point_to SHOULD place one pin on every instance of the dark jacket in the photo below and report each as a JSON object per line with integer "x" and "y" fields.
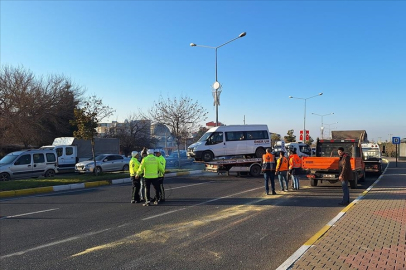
{"x": 345, "y": 167}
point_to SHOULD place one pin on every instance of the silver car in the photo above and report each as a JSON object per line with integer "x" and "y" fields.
{"x": 104, "y": 163}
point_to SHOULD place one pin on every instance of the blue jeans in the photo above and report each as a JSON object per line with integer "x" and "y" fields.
{"x": 269, "y": 175}
{"x": 283, "y": 180}
{"x": 346, "y": 192}
{"x": 295, "y": 182}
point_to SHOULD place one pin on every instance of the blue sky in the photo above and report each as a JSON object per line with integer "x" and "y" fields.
{"x": 129, "y": 53}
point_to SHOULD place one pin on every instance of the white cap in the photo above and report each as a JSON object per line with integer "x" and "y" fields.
{"x": 150, "y": 151}
{"x": 134, "y": 153}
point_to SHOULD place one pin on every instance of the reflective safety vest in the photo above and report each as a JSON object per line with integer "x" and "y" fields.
{"x": 294, "y": 161}
{"x": 134, "y": 165}
{"x": 268, "y": 162}
{"x": 282, "y": 164}
{"x": 162, "y": 160}
{"x": 150, "y": 167}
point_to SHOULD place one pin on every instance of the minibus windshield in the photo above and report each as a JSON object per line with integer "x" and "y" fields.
{"x": 205, "y": 136}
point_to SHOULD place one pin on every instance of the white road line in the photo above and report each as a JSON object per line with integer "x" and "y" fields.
{"x": 188, "y": 185}
{"x": 31, "y": 213}
{"x": 52, "y": 244}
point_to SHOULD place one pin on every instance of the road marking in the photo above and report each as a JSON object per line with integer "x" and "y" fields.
{"x": 31, "y": 213}
{"x": 52, "y": 244}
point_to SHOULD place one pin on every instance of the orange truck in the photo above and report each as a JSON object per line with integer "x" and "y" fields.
{"x": 324, "y": 166}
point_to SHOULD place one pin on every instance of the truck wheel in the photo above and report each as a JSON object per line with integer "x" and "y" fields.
{"x": 4, "y": 176}
{"x": 207, "y": 156}
{"x": 125, "y": 168}
{"x": 49, "y": 173}
{"x": 313, "y": 182}
{"x": 259, "y": 152}
{"x": 255, "y": 170}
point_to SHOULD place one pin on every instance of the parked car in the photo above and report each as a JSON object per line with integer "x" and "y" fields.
{"x": 28, "y": 164}
{"x": 104, "y": 163}
{"x": 173, "y": 161}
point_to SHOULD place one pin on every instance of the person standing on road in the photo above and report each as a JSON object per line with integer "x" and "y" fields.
{"x": 345, "y": 174}
{"x": 282, "y": 170}
{"x": 150, "y": 167}
{"x": 142, "y": 189}
{"x": 136, "y": 180}
{"x": 268, "y": 168}
{"x": 161, "y": 176}
{"x": 295, "y": 163}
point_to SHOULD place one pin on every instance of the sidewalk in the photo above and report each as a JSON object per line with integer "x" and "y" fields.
{"x": 370, "y": 233}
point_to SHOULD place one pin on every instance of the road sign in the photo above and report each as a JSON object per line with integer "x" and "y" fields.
{"x": 396, "y": 140}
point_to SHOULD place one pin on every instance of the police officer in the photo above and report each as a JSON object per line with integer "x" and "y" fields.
{"x": 161, "y": 176}
{"x": 136, "y": 180}
{"x": 150, "y": 167}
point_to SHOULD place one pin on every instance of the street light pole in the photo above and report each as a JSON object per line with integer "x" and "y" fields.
{"x": 216, "y": 85}
{"x": 322, "y": 127}
{"x": 304, "y": 118}
{"x": 329, "y": 128}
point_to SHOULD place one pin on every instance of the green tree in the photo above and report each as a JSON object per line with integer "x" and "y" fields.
{"x": 90, "y": 113}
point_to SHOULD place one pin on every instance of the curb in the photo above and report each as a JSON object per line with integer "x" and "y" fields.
{"x": 41, "y": 190}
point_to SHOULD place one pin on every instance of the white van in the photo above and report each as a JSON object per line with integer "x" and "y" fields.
{"x": 302, "y": 149}
{"x": 221, "y": 141}
{"x": 28, "y": 164}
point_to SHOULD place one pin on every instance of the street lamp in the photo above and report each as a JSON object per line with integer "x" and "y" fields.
{"x": 322, "y": 127}
{"x": 329, "y": 129}
{"x": 216, "y": 85}
{"x": 304, "y": 118}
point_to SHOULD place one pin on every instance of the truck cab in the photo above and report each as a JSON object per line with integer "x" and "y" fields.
{"x": 372, "y": 158}
{"x": 302, "y": 149}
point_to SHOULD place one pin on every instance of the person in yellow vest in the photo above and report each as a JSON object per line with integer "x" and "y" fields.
{"x": 150, "y": 167}
{"x": 268, "y": 168}
{"x": 134, "y": 164}
{"x": 282, "y": 171}
{"x": 295, "y": 163}
{"x": 161, "y": 176}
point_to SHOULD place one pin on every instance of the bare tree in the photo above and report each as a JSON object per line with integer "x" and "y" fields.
{"x": 181, "y": 116}
{"x": 87, "y": 117}
{"x": 35, "y": 111}
{"x": 134, "y": 134}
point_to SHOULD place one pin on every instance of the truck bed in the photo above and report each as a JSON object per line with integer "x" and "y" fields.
{"x": 328, "y": 163}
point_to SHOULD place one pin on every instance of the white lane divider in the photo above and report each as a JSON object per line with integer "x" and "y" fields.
{"x": 52, "y": 244}
{"x": 31, "y": 213}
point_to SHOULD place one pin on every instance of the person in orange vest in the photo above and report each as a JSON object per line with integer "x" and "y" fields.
{"x": 281, "y": 171}
{"x": 268, "y": 168}
{"x": 295, "y": 163}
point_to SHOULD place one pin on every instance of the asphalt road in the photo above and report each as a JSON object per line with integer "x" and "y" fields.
{"x": 208, "y": 222}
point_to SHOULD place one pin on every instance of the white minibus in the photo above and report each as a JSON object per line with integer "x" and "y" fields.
{"x": 221, "y": 141}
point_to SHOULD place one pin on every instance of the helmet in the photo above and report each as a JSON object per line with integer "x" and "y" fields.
{"x": 134, "y": 153}
{"x": 150, "y": 151}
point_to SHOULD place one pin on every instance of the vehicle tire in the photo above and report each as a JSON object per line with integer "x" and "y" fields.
{"x": 259, "y": 152}
{"x": 4, "y": 176}
{"x": 207, "y": 156}
{"x": 313, "y": 182}
{"x": 126, "y": 168}
{"x": 255, "y": 170}
{"x": 49, "y": 173}
{"x": 99, "y": 170}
